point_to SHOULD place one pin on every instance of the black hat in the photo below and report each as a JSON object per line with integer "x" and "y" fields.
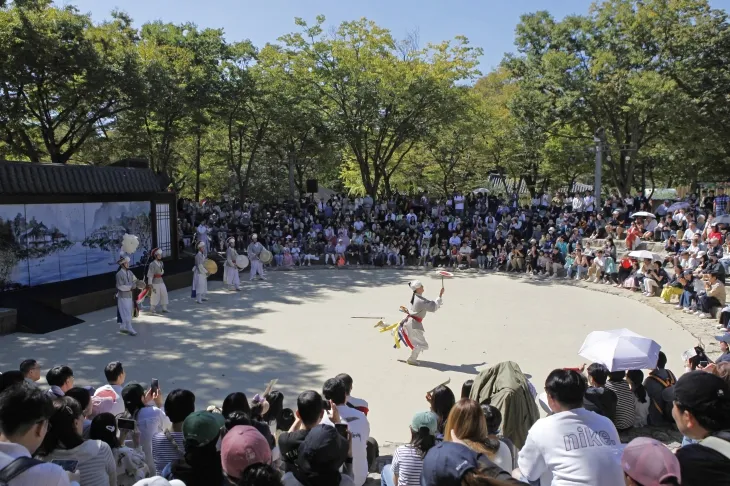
{"x": 698, "y": 390}
{"x": 324, "y": 449}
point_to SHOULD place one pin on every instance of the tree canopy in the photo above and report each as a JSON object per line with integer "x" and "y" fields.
{"x": 366, "y": 112}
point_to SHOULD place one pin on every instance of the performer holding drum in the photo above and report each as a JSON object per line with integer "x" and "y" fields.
{"x": 154, "y": 279}
{"x": 200, "y": 275}
{"x": 255, "y": 253}
{"x": 230, "y": 271}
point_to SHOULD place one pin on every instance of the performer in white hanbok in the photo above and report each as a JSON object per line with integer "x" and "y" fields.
{"x": 154, "y": 279}
{"x": 200, "y": 276}
{"x": 254, "y": 256}
{"x": 202, "y": 236}
{"x": 230, "y": 271}
{"x": 126, "y": 281}
{"x": 415, "y": 333}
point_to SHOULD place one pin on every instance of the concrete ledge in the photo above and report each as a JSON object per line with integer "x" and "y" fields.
{"x": 101, "y": 299}
{"x": 8, "y": 320}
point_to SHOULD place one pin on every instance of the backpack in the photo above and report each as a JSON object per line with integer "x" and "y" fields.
{"x": 670, "y": 381}
{"x": 16, "y": 468}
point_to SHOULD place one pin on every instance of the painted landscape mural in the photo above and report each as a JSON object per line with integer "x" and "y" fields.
{"x": 45, "y": 243}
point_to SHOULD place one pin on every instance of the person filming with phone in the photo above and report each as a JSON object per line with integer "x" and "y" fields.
{"x": 24, "y": 414}
{"x": 145, "y": 408}
{"x": 335, "y": 390}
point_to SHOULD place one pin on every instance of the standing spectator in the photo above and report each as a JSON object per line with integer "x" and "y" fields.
{"x": 598, "y": 398}
{"x": 336, "y": 391}
{"x": 648, "y": 462}
{"x": 131, "y": 465}
{"x": 65, "y": 442}
{"x": 701, "y": 411}
{"x": 24, "y": 414}
{"x": 626, "y": 405}
{"x": 115, "y": 376}
{"x": 408, "y": 459}
{"x": 660, "y": 411}
{"x": 721, "y": 204}
{"x": 574, "y": 445}
{"x": 60, "y": 379}
{"x": 31, "y": 370}
{"x": 169, "y": 445}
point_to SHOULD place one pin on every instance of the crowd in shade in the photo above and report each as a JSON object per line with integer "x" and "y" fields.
{"x": 124, "y": 433}
{"x": 563, "y": 236}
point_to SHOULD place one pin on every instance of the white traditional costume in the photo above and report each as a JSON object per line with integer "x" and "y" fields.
{"x": 202, "y": 237}
{"x": 154, "y": 277}
{"x": 254, "y": 256}
{"x": 125, "y": 304}
{"x": 230, "y": 270}
{"x": 415, "y": 333}
{"x": 200, "y": 276}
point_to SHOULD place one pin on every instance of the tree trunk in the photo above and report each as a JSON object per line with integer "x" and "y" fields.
{"x": 290, "y": 156}
{"x": 198, "y": 136}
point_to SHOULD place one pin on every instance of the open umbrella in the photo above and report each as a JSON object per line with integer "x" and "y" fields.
{"x": 621, "y": 349}
{"x": 481, "y": 190}
{"x": 642, "y": 214}
{"x": 677, "y": 206}
{"x": 645, "y": 255}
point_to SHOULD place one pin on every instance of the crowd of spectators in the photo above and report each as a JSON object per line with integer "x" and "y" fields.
{"x": 558, "y": 237}
{"x": 123, "y": 433}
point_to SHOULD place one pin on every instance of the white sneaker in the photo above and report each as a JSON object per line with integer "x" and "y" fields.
{"x": 678, "y": 307}
{"x": 720, "y": 326}
{"x": 702, "y": 315}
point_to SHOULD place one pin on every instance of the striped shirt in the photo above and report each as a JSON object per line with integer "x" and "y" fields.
{"x": 96, "y": 462}
{"x": 407, "y": 465}
{"x": 164, "y": 451}
{"x": 626, "y": 405}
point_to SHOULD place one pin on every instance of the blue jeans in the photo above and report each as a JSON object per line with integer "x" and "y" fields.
{"x": 386, "y": 476}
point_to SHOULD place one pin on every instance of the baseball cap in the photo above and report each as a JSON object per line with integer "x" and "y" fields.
{"x": 698, "y": 390}
{"x": 425, "y": 419}
{"x": 324, "y": 449}
{"x": 201, "y": 428}
{"x": 243, "y": 446}
{"x": 725, "y": 338}
{"x": 446, "y": 463}
{"x": 649, "y": 462}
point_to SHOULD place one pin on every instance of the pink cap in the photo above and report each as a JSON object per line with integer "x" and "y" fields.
{"x": 243, "y": 446}
{"x": 649, "y": 462}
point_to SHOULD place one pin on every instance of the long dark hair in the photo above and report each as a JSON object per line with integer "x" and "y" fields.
{"x": 422, "y": 440}
{"x": 236, "y": 402}
{"x": 637, "y": 380}
{"x": 104, "y": 428}
{"x": 442, "y": 400}
{"x": 276, "y": 407}
{"x": 62, "y": 433}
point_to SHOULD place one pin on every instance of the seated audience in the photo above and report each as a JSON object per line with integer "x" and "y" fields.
{"x": 574, "y": 445}
{"x": 169, "y": 445}
{"x": 60, "y": 379}
{"x": 407, "y": 464}
{"x": 31, "y": 370}
{"x": 242, "y": 448}
{"x": 310, "y": 410}
{"x": 626, "y": 404}
{"x": 648, "y": 462}
{"x": 325, "y": 458}
{"x": 115, "y": 376}
{"x": 150, "y": 419}
{"x": 598, "y": 398}
{"x": 130, "y": 462}
{"x": 201, "y": 465}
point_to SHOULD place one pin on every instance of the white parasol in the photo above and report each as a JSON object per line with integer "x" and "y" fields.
{"x": 645, "y": 255}
{"x": 643, "y": 214}
{"x": 621, "y": 349}
{"x": 677, "y": 206}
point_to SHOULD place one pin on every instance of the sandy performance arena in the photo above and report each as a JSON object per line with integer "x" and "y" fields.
{"x": 299, "y": 327}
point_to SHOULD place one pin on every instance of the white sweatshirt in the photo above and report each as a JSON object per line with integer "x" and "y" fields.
{"x": 578, "y": 447}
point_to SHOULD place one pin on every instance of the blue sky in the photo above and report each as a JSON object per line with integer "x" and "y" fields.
{"x": 488, "y": 24}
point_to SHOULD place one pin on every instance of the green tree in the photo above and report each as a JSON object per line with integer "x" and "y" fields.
{"x": 62, "y": 78}
{"x": 380, "y": 96}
